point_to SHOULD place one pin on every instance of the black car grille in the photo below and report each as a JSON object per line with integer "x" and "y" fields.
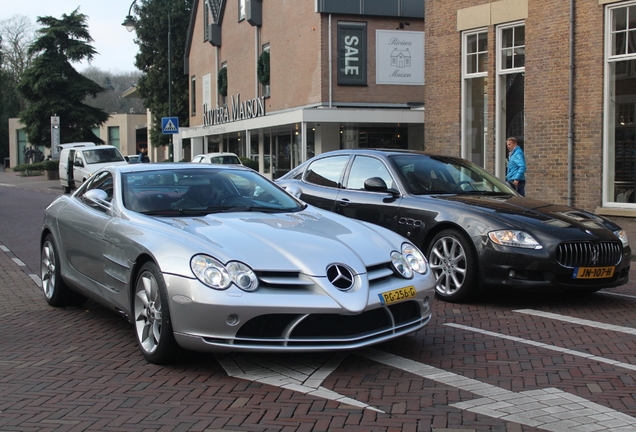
{"x": 330, "y": 329}
{"x": 587, "y": 254}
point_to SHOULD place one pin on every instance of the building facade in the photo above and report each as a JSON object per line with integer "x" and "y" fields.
{"x": 558, "y": 75}
{"x": 127, "y": 132}
{"x": 280, "y": 81}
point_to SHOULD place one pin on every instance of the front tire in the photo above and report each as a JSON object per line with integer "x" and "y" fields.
{"x": 153, "y": 325}
{"x": 454, "y": 264}
{"x": 55, "y": 290}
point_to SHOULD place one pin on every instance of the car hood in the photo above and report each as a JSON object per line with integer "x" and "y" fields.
{"x": 307, "y": 241}
{"x": 523, "y": 212}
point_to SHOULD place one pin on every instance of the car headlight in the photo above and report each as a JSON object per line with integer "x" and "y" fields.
{"x": 415, "y": 258}
{"x": 514, "y": 238}
{"x": 401, "y": 265}
{"x": 218, "y": 276}
{"x": 622, "y": 235}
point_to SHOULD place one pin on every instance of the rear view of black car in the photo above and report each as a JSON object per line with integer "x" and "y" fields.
{"x": 475, "y": 230}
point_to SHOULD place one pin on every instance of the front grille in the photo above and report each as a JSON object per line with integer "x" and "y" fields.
{"x": 587, "y": 254}
{"x": 330, "y": 329}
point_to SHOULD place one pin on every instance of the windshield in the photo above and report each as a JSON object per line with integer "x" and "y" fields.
{"x": 437, "y": 174}
{"x": 203, "y": 191}
{"x": 106, "y": 155}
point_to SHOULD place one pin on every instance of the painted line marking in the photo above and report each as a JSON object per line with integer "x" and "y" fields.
{"x": 546, "y": 346}
{"x": 579, "y": 321}
{"x": 548, "y": 409}
{"x": 289, "y": 374}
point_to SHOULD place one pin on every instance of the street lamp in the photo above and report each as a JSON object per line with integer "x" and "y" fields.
{"x": 130, "y": 23}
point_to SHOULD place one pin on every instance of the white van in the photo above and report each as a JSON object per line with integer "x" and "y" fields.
{"x": 78, "y": 161}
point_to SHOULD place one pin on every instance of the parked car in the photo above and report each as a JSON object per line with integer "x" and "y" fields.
{"x": 197, "y": 261}
{"x": 218, "y": 158}
{"x": 475, "y": 230}
{"x": 132, "y": 159}
{"x": 78, "y": 161}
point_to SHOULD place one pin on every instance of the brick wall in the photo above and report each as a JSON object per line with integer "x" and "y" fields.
{"x": 546, "y": 94}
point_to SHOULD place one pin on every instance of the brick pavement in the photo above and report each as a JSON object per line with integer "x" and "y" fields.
{"x": 79, "y": 369}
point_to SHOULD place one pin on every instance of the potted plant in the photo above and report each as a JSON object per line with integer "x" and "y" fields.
{"x": 51, "y": 169}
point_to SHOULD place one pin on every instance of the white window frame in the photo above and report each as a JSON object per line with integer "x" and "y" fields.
{"x": 465, "y": 148}
{"x": 609, "y": 155}
{"x": 500, "y": 138}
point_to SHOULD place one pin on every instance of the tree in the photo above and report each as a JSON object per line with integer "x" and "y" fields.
{"x": 152, "y": 37}
{"x": 112, "y": 100}
{"x": 52, "y": 86}
{"x": 16, "y": 34}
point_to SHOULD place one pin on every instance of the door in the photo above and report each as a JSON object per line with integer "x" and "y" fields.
{"x": 377, "y": 207}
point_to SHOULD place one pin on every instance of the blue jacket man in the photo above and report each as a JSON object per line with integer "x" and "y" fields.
{"x": 516, "y": 175}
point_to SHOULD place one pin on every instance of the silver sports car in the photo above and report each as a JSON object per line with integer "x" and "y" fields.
{"x": 219, "y": 258}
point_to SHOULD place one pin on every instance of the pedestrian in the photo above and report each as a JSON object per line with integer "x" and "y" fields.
{"x": 516, "y": 175}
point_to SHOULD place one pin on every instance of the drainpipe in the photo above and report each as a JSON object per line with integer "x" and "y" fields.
{"x": 571, "y": 106}
{"x": 330, "y": 78}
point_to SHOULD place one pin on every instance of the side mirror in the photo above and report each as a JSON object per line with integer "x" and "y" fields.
{"x": 375, "y": 184}
{"x": 127, "y": 158}
{"x": 78, "y": 163}
{"x": 97, "y": 197}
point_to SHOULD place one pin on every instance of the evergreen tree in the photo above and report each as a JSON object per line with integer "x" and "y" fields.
{"x": 152, "y": 37}
{"x": 52, "y": 86}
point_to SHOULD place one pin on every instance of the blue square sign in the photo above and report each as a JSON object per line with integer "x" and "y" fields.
{"x": 170, "y": 125}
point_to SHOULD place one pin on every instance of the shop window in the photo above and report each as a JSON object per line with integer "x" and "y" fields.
{"x": 620, "y": 106}
{"x": 475, "y": 96}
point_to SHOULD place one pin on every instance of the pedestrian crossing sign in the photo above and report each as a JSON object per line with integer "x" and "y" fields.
{"x": 170, "y": 125}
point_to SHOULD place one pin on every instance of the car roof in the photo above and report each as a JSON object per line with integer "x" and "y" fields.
{"x": 217, "y": 154}
{"x": 148, "y": 167}
{"x": 386, "y": 152}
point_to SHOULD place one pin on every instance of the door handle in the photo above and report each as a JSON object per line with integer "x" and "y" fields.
{"x": 343, "y": 202}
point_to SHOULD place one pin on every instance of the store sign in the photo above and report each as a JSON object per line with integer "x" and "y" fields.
{"x": 399, "y": 57}
{"x": 236, "y": 111}
{"x": 352, "y": 53}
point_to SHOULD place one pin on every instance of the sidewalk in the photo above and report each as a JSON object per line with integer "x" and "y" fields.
{"x": 34, "y": 182}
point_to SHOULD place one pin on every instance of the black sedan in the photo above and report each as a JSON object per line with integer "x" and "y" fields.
{"x": 476, "y": 231}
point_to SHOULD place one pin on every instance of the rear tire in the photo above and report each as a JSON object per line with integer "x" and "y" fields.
{"x": 151, "y": 317}
{"x": 453, "y": 262}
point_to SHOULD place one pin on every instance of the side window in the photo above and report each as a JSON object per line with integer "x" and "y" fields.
{"x": 103, "y": 181}
{"x": 326, "y": 171}
{"x": 364, "y": 168}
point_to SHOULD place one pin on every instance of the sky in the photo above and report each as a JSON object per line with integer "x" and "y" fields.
{"x": 115, "y": 46}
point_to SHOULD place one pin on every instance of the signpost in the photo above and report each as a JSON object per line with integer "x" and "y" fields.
{"x": 55, "y": 137}
{"x": 170, "y": 126}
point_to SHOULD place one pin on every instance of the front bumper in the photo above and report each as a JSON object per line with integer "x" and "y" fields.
{"x": 292, "y": 319}
{"x": 512, "y": 267}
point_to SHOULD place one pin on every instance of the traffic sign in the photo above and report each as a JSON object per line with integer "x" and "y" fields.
{"x": 170, "y": 125}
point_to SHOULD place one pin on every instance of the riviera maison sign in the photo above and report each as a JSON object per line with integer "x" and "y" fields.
{"x": 236, "y": 111}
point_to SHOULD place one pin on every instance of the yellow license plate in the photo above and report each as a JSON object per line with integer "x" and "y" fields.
{"x": 593, "y": 272}
{"x": 390, "y": 297}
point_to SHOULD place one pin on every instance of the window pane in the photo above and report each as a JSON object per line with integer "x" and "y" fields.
{"x": 364, "y": 168}
{"x": 506, "y": 58}
{"x": 471, "y": 64}
{"x": 520, "y": 57}
{"x": 483, "y": 41}
{"x": 482, "y": 60}
{"x": 620, "y": 19}
{"x": 619, "y": 44}
{"x": 632, "y": 17}
{"x": 326, "y": 172}
{"x": 506, "y": 38}
{"x": 471, "y": 43}
{"x": 622, "y": 145}
{"x": 475, "y": 114}
{"x": 520, "y": 35}
{"x": 631, "y": 40}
